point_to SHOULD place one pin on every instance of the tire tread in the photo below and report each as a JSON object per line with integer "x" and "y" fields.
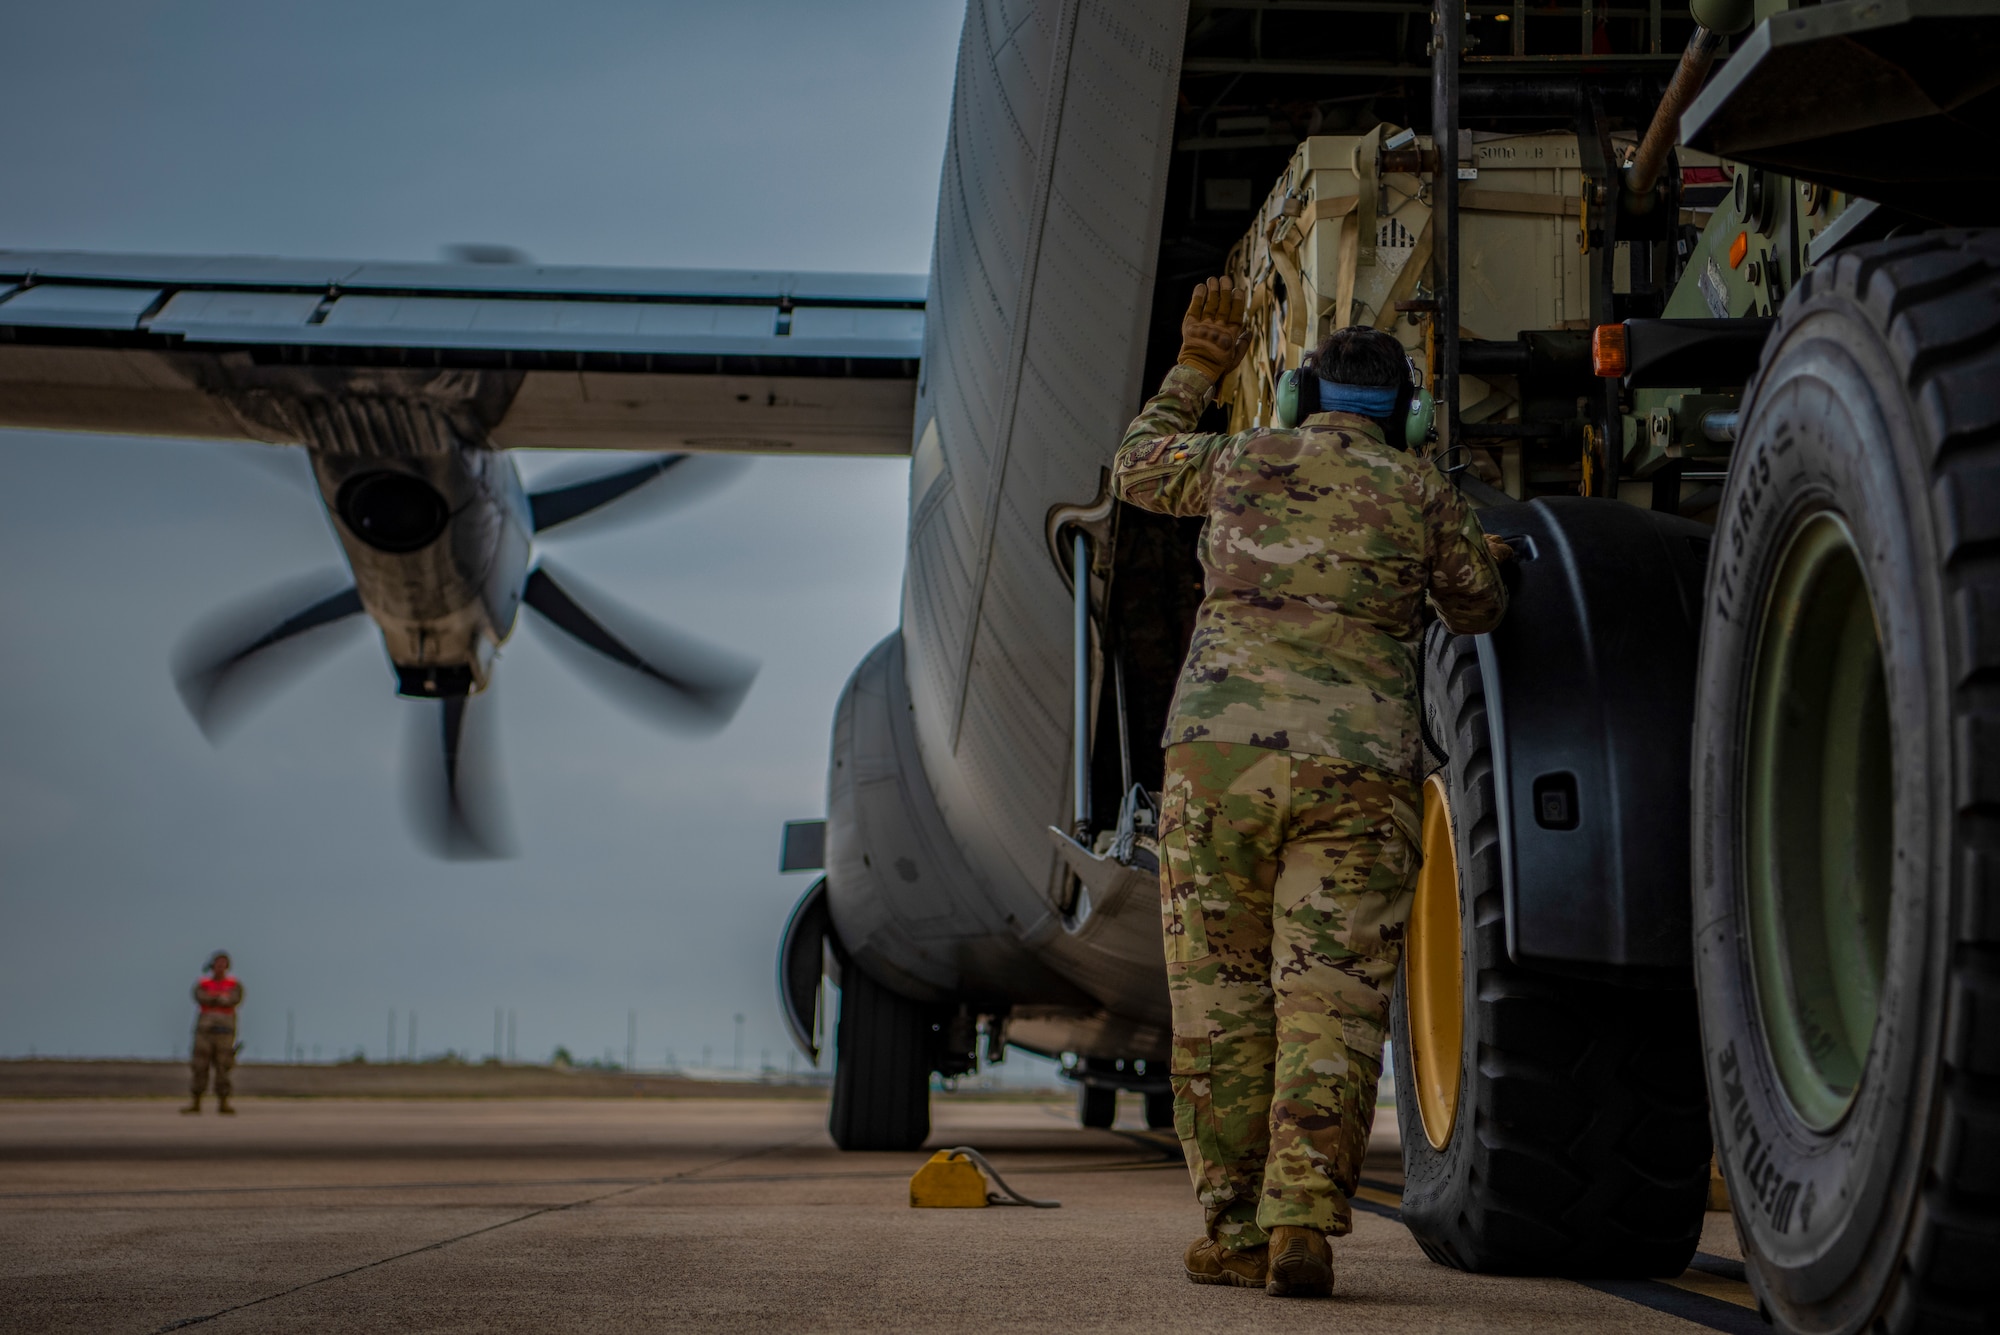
{"x": 1935, "y": 299}
{"x": 1589, "y": 1121}
{"x": 881, "y": 1074}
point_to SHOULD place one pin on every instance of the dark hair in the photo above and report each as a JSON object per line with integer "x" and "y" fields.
{"x": 1358, "y": 355}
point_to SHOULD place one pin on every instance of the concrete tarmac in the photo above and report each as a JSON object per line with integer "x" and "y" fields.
{"x": 711, "y": 1215}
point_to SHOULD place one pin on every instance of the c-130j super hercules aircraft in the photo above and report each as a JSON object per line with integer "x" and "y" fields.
{"x": 1709, "y": 823}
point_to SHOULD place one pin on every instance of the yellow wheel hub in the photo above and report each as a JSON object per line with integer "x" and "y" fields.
{"x": 1435, "y": 960}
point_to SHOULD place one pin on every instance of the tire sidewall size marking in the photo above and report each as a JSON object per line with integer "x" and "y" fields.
{"x": 1827, "y": 1211}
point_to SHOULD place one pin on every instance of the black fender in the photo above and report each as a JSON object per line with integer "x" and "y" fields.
{"x": 809, "y": 950}
{"x": 1589, "y": 684}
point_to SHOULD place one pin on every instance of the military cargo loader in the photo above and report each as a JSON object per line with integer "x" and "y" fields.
{"x": 1709, "y": 820}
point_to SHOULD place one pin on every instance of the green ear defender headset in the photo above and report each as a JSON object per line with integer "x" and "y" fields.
{"x": 1417, "y": 425}
{"x": 1298, "y": 399}
{"x": 1291, "y": 387}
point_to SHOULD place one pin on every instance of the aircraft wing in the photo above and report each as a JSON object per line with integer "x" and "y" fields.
{"x": 549, "y": 356}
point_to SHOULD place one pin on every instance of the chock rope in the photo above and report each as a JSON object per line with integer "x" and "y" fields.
{"x": 993, "y": 1197}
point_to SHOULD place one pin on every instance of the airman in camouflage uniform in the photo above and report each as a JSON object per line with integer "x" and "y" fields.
{"x": 217, "y": 994}
{"x": 1289, "y": 824}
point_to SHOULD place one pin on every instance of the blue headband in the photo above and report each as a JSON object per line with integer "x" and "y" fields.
{"x": 1367, "y": 400}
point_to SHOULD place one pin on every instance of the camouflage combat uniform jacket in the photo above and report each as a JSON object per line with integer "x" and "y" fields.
{"x": 1322, "y": 544}
{"x": 217, "y": 1002}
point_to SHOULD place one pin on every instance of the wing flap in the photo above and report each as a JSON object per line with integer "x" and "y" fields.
{"x": 226, "y": 316}
{"x": 74, "y": 306}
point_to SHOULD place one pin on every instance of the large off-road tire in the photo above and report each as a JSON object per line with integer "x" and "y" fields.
{"x": 1559, "y": 1125}
{"x": 882, "y": 1068}
{"x": 1096, "y": 1106}
{"x": 1847, "y": 798}
{"x": 1160, "y": 1110}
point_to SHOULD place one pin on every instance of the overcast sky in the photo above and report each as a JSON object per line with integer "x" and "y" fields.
{"x": 795, "y": 135}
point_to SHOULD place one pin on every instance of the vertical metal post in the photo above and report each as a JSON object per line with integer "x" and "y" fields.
{"x": 392, "y": 1034}
{"x": 1448, "y": 36}
{"x": 1521, "y": 26}
{"x": 1080, "y": 669}
{"x": 1601, "y": 182}
{"x": 631, "y": 1040}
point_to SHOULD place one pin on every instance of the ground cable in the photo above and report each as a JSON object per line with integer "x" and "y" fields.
{"x": 1013, "y": 1197}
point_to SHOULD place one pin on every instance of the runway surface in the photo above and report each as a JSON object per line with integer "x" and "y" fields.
{"x": 724, "y": 1215}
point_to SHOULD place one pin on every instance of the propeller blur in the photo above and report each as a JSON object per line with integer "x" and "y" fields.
{"x": 439, "y": 545}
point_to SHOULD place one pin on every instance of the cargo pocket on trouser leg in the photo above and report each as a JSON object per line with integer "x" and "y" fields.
{"x": 1188, "y": 1074}
{"x": 1226, "y": 1187}
{"x": 1358, "y": 1108}
{"x": 1198, "y": 1131}
{"x": 1181, "y": 922}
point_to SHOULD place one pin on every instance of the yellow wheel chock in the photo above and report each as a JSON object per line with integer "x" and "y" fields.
{"x": 947, "y": 1181}
{"x": 956, "y": 1179}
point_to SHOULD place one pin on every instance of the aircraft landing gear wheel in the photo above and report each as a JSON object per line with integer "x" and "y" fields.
{"x": 1550, "y": 1125}
{"x": 1160, "y": 1110}
{"x": 1096, "y": 1106}
{"x": 882, "y": 1068}
{"x": 1847, "y": 798}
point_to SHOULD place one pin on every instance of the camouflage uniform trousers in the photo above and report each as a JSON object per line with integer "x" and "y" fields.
{"x": 213, "y": 1049}
{"x": 1286, "y": 881}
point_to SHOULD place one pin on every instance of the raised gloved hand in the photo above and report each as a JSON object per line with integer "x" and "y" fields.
{"x": 1498, "y": 550}
{"x": 1213, "y": 338}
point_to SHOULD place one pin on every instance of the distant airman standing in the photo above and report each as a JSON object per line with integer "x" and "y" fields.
{"x": 218, "y": 994}
{"x": 1288, "y": 826}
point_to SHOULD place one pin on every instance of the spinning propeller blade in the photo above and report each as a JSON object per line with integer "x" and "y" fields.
{"x": 680, "y": 477}
{"x": 666, "y": 675}
{"x": 456, "y": 806}
{"x": 228, "y": 665}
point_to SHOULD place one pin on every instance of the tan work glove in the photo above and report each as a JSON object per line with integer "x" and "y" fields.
{"x": 1498, "y": 550}
{"x": 1213, "y": 338}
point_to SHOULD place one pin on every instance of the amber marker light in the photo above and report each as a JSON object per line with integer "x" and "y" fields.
{"x": 1607, "y": 350}
{"x": 1738, "y": 249}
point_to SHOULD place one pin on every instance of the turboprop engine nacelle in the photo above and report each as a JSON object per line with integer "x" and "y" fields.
{"x": 439, "y": 545}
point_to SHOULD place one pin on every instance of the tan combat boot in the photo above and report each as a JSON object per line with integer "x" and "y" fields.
{"x": 194, "y": 1105}
{"x": 1301, "y": 1263}
{"x": 222, "y": 1106}
{"x": 1208, "y": 1262}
